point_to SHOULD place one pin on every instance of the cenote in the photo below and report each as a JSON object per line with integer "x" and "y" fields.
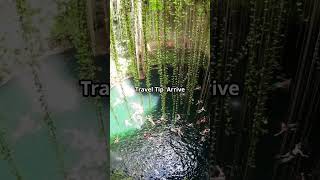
{"x": 159, "y": 135}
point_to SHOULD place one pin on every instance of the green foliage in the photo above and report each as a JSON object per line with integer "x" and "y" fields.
{"x": 4, "y": 65}
{"x": 115, "y": 56}
{"x": 119, "y": 175}
{"x": 25, "y": 13}
{"x": 174, "y": 35}
{"x": 128, "y": 20}
{"x": 71, "y": 24}
{"x": 146, "y": 32}
{"x": 258, "y": 48}
{"x": 156, "y": 5}
{"x": 265, "y": 44}
{"x": 114, "y": 52}
{"x": 7, "y": 155}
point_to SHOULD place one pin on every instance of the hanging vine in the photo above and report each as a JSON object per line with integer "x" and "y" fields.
{"x": 115, "y": 57}
{"x": 146, "y": 33}
{"x": 28, "y": 32}
{"x": 172, "y": 40}
{"x": 7, "y": 155}
{"x": 126, "y": 10}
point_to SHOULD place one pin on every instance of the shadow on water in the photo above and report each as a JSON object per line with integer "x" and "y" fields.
{"x": 159, "y": 153}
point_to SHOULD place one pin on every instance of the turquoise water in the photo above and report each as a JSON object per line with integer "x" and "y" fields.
{"x": 75, "y": 118}
{"x": 129, "y": 109}
{"x": 142, "y": 150}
